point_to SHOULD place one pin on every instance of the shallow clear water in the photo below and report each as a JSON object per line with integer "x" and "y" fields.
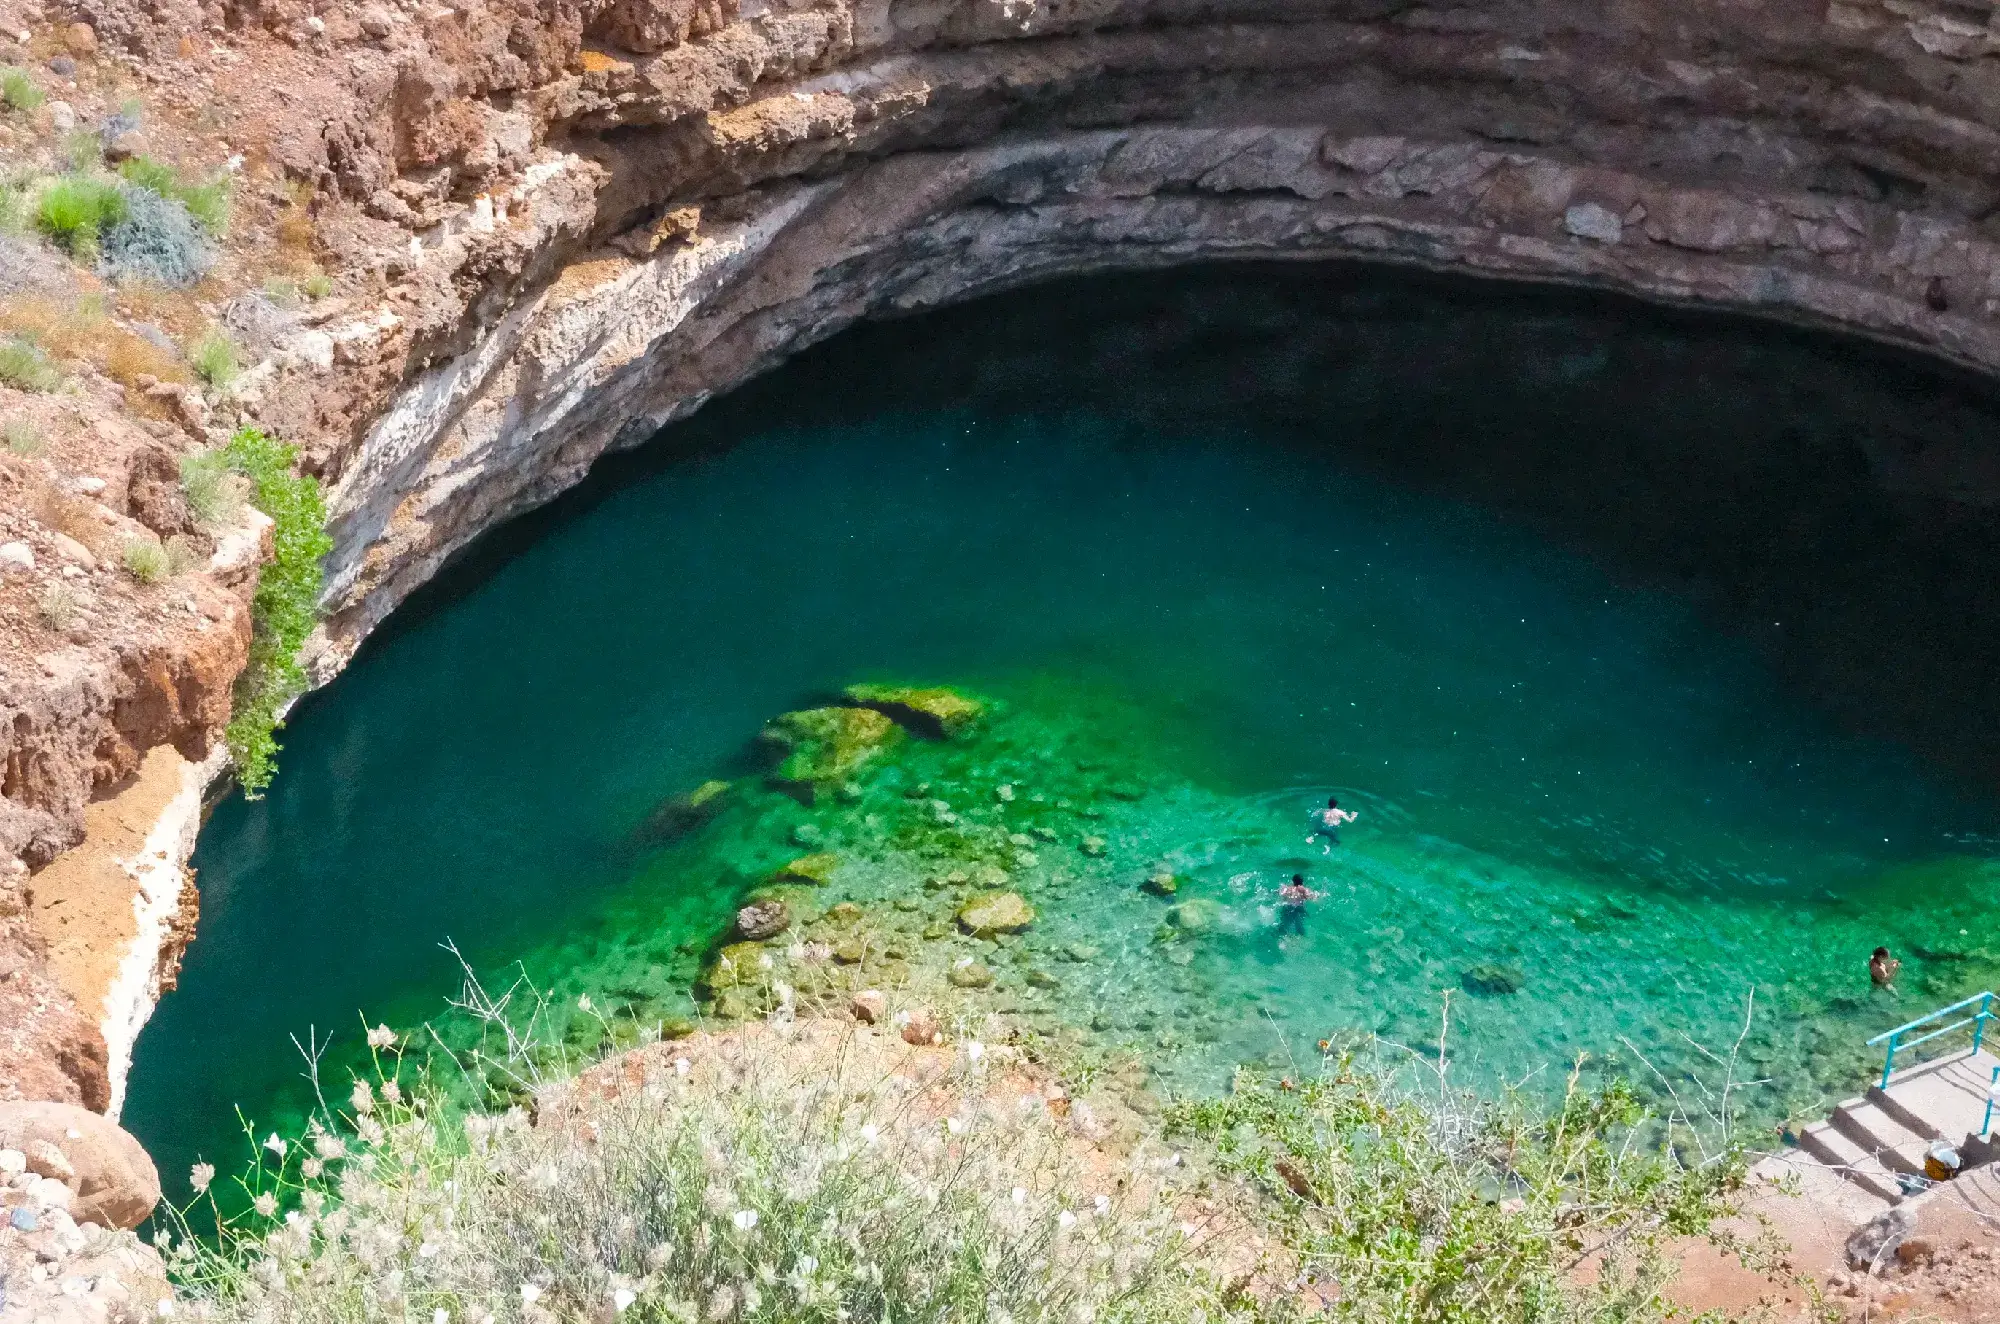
{"x": 1469, "y": 560}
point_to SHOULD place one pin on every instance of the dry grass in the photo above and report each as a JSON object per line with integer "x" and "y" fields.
{"x": 67, "y": 513}
{"x": 294, "y": 225}
{"x": 85, "y": 333}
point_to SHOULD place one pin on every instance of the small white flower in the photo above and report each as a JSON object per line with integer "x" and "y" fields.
{"x": 870, "y": 1133}
{"x": 200, "y": 1176}
{"x": 954, "y": 1125}
{"x": 1065, "y": 1220}
{"x": 362, "y": 1097}
{"x": 1103, "y": 1203}
{"x": 440, "y": 1316}
{"x": 275, "y": 1145}
{"x": 622, "y": 1298}
{"x": 392, "y": 1091}
{"x": 530, "y": 1294}
{"x": 266, "y": 1204}
{"x": 381, "y": 1037}
{"x": 744, "y": 1219}
{"x": 1019, "y": 1195}
{"x": 583, "y": 1003}
{"x": 974, "y": 1050}
{"x": 166, "y": 1307}
{"x": 427, "y": 1250}
{"x": 680, "y": 1066}
{"x": 311, "y": 1168}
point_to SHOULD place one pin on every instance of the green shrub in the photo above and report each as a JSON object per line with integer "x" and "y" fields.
{"x": 1483, "y": 1210}
{"x": 317, "y": 286}
{"x": 18, "y": 90}
{"x": 214, "y": 490}
{"x": 213, "y": 358}
{"x": 183, "y": 555}
{"x": 154, "y": 176}
{"x": 25, "y": 367}
{"x": 287, "y": 601}
{"x": 146, "y": 561}
{"x": 22, "y": 437}
{"x": 75, "y": 211}
{"x": 207, "y": 204}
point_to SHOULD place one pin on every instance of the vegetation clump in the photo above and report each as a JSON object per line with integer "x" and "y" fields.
{"x": 213, "y": 489}
{"x": 937, "y": 713}
{"x": 158, "y": 240}
{"x": 25, "y": 366}
{"x": 18, "y": 90}
{"x": 206, "y": 203}
{"x": 213, "y": 358}
{"x": 146, "y": 560}
{"x": 23, "y": 438}
{"x": 825, "y": 746}
{"x": 286, "y": 604}
{"x": 75, "y": 210}
{"x": 814, "y": 1177}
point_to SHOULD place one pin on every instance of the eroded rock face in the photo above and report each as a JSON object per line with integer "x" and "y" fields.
{"x": 112, "y": 1181}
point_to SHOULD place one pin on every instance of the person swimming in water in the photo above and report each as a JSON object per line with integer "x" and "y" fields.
{"x": 1292, "y": 899}
{"x": 1326, "y": 823}
{"x": 1882, "y": 969}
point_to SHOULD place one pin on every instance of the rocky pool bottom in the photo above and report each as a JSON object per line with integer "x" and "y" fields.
{"x": 1010, "y": 868}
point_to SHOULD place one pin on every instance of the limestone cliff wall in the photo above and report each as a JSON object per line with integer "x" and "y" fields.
{"x": 559, "y": 224}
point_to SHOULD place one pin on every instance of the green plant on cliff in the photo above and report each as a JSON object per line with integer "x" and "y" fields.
{"x": 286, "y": 604}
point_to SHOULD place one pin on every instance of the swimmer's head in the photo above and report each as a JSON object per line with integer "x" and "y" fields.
{"x": 1299, "y": 879}
{"x": 1332, "y": 802}
{"x": 1881, "y": 952}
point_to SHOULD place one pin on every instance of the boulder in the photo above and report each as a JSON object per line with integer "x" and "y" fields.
{"x": 763, "y": 919}
{"x": 815, "y": 870}
{"x": 920, "y": 1028}
{"x": 1877, "y": 1239}
{"x": 970, "y": 974}
{"x": 114, "y": 1180}
{"x": 823, "y": 747}
{"x": 987, "y": 913}
{"x": 1161, "y": 884}
{"x": 1491, "y": 980}
{"x": 737, "y": 964}
{"x": 1193, "y": 917}
{"x": 936, "y": 714}
{"x": 684, "y": 813}
{"x": 869, "y": 1006}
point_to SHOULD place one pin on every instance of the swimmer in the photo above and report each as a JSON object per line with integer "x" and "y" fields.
{"x": 1292, "y": 899}
{"x": 1326, "y": 823}
{"x": 1882, "y": 969}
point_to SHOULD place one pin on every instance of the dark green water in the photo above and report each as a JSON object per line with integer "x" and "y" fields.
{"x": 1642, "y": 686}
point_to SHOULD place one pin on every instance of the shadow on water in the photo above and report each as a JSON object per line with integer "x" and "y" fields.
{"x": 1836, "y": 503}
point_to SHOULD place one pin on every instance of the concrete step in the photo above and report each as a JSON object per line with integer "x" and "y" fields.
{"x": 1838, "y": 1151}
{"x": 1820, "y": 1186}
{"x": 1940, "y": 1100}
{"x": 1877, "y": 1132}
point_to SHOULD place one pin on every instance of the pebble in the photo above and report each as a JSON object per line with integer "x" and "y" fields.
{"x": 16, "y": 556}
{"x": 869, "y": 1005}
{"x": 1091, "y": 845}
{"x": 970, "y": 974}
{"x": 1003, "y": 793}
{"x": 24, "y": 1220}
{"x": 12, "y": 1161}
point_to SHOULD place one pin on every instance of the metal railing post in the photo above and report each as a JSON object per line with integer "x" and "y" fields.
{"x": 1889, "y": 1063}
{"x": 1992, "y": 1093}
{"x": 1979, "y": 1027}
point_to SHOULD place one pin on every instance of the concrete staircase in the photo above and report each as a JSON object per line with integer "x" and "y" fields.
{"x": 1877, "y": 1141}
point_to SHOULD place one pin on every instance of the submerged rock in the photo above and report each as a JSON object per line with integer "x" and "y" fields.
{"x": 815, "y": 870}
{"x": 985, "y": 914}
{"x": 1091, "y": 846}
{"x": 1161, "y": 884}
{"x": 1193, "y": 917}
{"x": 737, "y": 964}
{"x": 1491, "y": 980}
{"x": 763, "y": 919}
{"x": 823, "y": 747}
{"x": 938, "y": 713}
{"x": 684, "y": 813}
{"x": 970, "y": 974}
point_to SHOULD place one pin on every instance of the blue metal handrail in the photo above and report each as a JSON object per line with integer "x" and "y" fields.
{"x": 1977, "y": 1021}
{"x": 1992, "y": 1093}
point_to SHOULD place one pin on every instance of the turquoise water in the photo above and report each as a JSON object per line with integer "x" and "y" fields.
{"x": 1496, "y": 569}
